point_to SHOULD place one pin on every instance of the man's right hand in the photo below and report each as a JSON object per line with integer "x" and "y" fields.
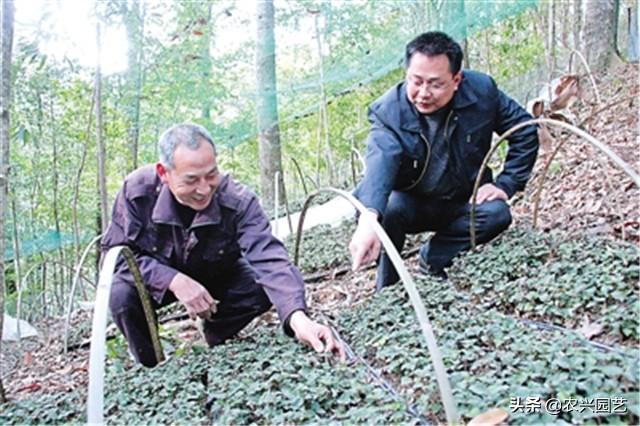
{"x": 365, "y": 245}
{"x": 193, "y": 296}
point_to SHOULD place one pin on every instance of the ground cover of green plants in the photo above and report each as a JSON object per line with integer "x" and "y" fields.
{"x": 490, "y": 351}
{"x": 323, "y": 247}
{"x": 265, "y": 378}
{"x": 557, "y": 278}
{"x": 491, "y": 357}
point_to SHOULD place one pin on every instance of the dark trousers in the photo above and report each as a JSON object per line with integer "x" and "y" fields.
{"x": 410, "y": 214}
{"x": 240, "y": 300}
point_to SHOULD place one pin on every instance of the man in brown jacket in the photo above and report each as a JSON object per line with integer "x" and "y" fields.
{"x": 202, "y": 238}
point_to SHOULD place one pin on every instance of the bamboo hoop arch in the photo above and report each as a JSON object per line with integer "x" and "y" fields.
{"x": 579, "y": 132}
{"x": 21, "y": 285}
{"x": 76, "y": 278}
{"x": 300, "y": 176}
{"x": 442, "y": 378}
{"x": 357, "y": 154}
{"x": 543, "y": 177}
{"x": 589, "y": 73}
{"x": 95, "y": 401}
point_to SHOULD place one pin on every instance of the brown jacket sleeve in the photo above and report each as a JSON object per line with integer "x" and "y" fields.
{"x": 281, "y": 280}
{"x": 128, "y": 222}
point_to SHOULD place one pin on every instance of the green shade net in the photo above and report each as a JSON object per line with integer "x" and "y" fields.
{"x": 362, "y": 42}
{"x": 371, "y": 38}
{"x": 46, "y": 241}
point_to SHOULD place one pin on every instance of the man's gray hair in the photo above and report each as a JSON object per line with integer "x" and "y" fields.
{"x": 188, "y": 134}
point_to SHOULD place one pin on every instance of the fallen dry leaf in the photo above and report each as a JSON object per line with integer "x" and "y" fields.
{"x": 27, "y": 359}
{"x": 565, "y": 93}
{"x": 31, "y": 387}
{"x": 590, "y": 329}
{"x": 538, "y": 108}
{"x": 492, "y": 417}
{"x": 66, "y": 370}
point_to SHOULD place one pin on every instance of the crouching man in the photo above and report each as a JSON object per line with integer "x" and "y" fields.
{"x": 202, "y": 239}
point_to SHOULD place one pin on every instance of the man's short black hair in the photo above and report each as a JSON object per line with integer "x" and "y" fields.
{"x": 435, "y": 43}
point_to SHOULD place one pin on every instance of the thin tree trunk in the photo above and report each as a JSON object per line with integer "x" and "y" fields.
{"x": 102, "y": 179}
{"x": 135, "y": 136}
{"x": 16, "y": 241}
{"x": 16, "y": 259}
{"x": 102, "y": 215}
{"x": 318, "y": 148}
{"x": 267, "y": 101}
{"x": 487, "y": 55}
{"x": 551, "y": 38}
{"x": 76, "y": 185}
{"x": 577, "y": 21}
{"x": 56, "y": 214}
{"x": 6, "y": 21}
{"x": 54, "y": 165}
{"x": 565, "y": 16}
{"x": 205, "y": 52}
{"x": 134, "y": 24}
{"x": 633, "y": 47}
{"x": 462, "y": 17}
{"x": 44, "y": 290}
{"x": 324, "y": 125}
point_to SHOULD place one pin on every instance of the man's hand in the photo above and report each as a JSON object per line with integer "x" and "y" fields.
{"x": 318, "y": 336}
{"x": 365, "y": 245}
{"x": 193, "y": 296}
{"x": 489, "y": 192}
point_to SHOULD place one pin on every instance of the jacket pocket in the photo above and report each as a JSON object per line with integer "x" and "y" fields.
{"x": 476, "y": 143}
{"x": 409, "y": 172}
{"x": 154, "y": 242}
{"x": 222, "y": 247}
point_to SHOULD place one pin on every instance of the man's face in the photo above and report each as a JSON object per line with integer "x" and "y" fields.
{"x": 194, "y": 177}
{"x": 430, "y": 84}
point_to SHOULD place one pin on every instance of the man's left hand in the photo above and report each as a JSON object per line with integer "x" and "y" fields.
{"x": 318, "y": 336}
{"x": 489, "y": 192}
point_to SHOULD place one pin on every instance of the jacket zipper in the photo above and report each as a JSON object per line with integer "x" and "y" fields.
{"x": 452, "y": 156}
{"x": 424, "y": 169}
{"x": 426, "y": 143}
{"x": 446, "y": 127}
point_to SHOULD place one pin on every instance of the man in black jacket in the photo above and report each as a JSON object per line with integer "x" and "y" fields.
{"x": 428, "y": 137}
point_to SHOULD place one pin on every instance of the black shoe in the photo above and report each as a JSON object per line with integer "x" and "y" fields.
{"x": 427, "y": 270}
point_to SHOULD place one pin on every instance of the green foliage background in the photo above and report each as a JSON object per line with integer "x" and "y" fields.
{"x": 188, "y": 75}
